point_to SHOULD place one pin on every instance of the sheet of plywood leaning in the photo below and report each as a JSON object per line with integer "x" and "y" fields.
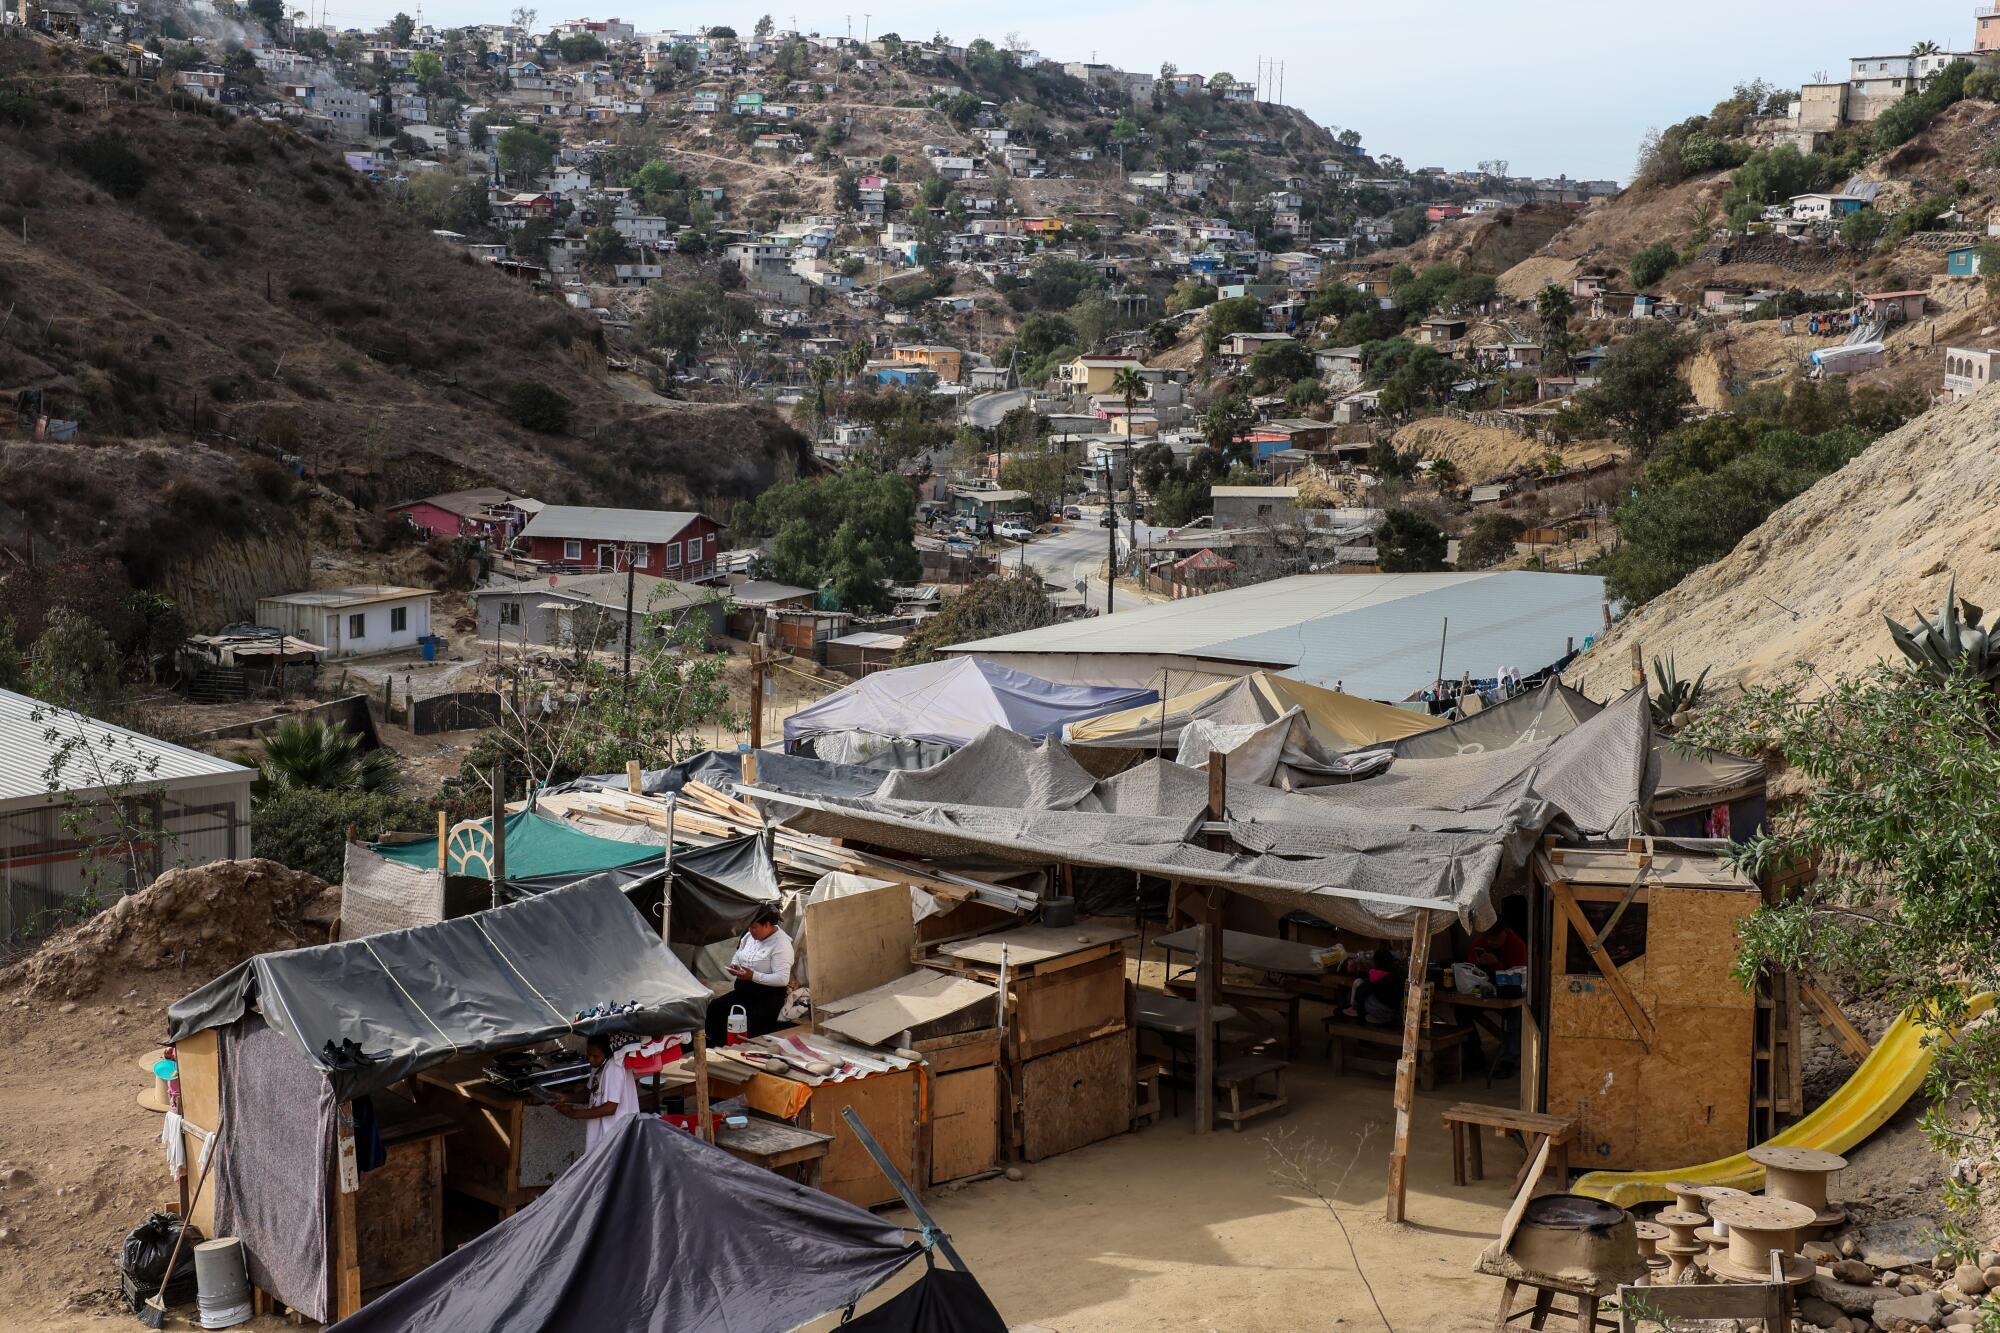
{"x": 1684, "y": 1095}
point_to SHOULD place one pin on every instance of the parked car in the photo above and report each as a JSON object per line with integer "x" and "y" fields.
{"x": 1107, "y": 519}
{"x": 1071, "y": 511}
{"x": 1014, "y": 532}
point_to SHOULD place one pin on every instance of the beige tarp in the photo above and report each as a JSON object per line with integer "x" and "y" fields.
{"x": 1339, "y": 721}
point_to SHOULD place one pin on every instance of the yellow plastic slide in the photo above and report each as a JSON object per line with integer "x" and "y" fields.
{"x": 1877, "y": 1090}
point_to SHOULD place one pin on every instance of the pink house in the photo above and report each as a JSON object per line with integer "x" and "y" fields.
{"x": 486, "y": 512}
{"x": 1895, "y": 307}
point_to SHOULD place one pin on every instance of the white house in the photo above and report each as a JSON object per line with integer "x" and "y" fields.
{"x": 54, "y": 763}
{"x": 1967, "y": 370}
{"x": 348, "y": 622}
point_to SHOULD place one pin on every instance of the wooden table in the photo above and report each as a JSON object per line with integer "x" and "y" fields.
{"x": 1530, "y": 1128}
{"x": 1291, "y": 966}
{"x": 776, "y": 1146}
{"x": 1177, "y": 1020}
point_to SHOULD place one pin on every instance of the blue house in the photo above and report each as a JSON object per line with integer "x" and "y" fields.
{"x": 1962, "y": 261}
{"x": 903, "y": 376}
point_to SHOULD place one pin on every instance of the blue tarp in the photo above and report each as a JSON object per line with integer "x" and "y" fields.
{"x": 950, "y": 702}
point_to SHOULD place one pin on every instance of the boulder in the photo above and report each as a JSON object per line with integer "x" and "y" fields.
{"x": 1853, "y": 1270}
{"x": 1970, "y": 1279}
{"x": 1924, "y": 1310}
{"x": 1852, "y": 1297}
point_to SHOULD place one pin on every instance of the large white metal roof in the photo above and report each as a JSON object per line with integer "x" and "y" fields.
{"x": 583, "y": 522}
{"x": 101, "y": 755}
{"x": 1376, "y": 635}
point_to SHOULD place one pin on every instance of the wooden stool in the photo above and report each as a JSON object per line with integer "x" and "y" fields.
{"x": 1584, "y": 1315}
{"x": 1240, "y": 1075}
{"x": 1758, "y": 1228}
{"x": 1799, "y": 1175}
{"x": 1529, "y": 1128}
{"x": 1148, "y": 1077}
{"x": 1650, "y": 1235}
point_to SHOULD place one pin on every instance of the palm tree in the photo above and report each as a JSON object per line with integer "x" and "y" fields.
{"x": 1128, "y": 385}
{"x": 313, "y": 754}
{"x": 1925, "y": 48}
{"x": 1444, "y": 475}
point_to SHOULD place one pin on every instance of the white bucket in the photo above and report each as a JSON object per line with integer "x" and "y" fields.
{"x": 739, "y": 1024}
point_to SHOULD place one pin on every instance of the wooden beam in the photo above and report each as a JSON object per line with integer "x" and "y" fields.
{"x": 703, "y": 1130}
{"x": 346, "y": 1227}
{"x": 1631, "y": 892}
{"x": 1208, "y": 966}
{"x": 1620, "y": 992}
{"x": 749, "y": 757}
{"x": 497, "y": 872}
{"x": 1218, "y": 785}
{"x": 1522, "y": 1197}
{"x": 634, "y": 782}
{"x": 444, "y": 831}
{"x": 1831, "y": 1018}
{"x": 1406, "y": 1067}
{"x": 756, "y": 702}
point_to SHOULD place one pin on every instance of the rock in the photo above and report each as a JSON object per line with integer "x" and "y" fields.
{"x": 1991, "y": 1275}
{"x": 9, "y": 1236}
{"x": 1853, "y": 1297}
{"x": 1853, "y": 1270}
{"x": 1016, "y": 1173}
{"x": 1816, "y": 1311}
{"x": 1970, "y": 1279}
{"x": 1989, "y": 1259}
{"x": 66, "y": 1007}
{"x": 15, "y": 1176}
{"x": 1819, "y": 1252}
{"x": 1923, "y": 1310}
{"x": 1902, "y": 1243}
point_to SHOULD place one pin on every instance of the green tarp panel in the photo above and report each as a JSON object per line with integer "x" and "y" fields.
{"x": 538, "y": 848}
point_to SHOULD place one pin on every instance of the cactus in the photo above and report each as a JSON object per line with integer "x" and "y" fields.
{"x": 1676, "y": 696}
{"x": 1954, "y": 642}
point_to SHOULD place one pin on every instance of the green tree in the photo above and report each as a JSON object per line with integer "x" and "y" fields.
{"x": 762, "y": 30}
{"x": 583, "y": 46}
{"x": 1004, "y": 604}
{"x": 1281, "y": 363}
{"x": 604, "y": 246}
{"x": 305, "y": 828}
{"x": 536, "y": 406}
{"x": 1641, "y": 390}
{"x": 871, "y": 516}
{"x": 313, "y": 754}
{"x": 1490, "y": 541}
{"x": 1409, "y": 543}
{"x": 427, "y": 68}
{"x": 1653, "y": 263}
{"x": 1124, "y": 130}
{"x": 266, "y": 12}
{"x": 1040, "y": 474}
{"x": 1239, "y": 314}
{"x": 1862, "y": 229}
{"x": 524, "y": 152}
{"x": 74, "y": 664}
{"x": 401, "y": 29}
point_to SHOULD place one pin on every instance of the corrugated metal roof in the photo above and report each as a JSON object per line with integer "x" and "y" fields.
{"x": 26, "y": 753}
{"x": 1377, "y": 634}
{"x": 361, "y": 594}
{"x": 611, "y": 525}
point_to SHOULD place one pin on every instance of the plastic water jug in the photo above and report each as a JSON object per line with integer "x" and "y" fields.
{"x": 739, "y": 1024}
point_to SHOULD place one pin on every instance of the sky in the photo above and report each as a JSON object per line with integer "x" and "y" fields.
{"x": 1553, "y": 87}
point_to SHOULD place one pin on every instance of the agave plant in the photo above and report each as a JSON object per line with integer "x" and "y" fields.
{"x": 1952, "y": 643}
{"x": 1676, "y": 696}
{"x": 313, "y": 754}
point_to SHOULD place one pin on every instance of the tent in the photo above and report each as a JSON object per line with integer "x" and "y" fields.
{"x": 654, "y": 1231}
{"x": 541, "y": 853}
{"x": 288, "y": 1041}
{"x": 941, "y": 706}
{"x": 1689, "y": 786}
{"x": 1339, "y": 721}
{"x": 1427, "y": 833}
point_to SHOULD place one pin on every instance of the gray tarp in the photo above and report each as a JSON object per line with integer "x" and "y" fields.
{"x": 1437, "y": 830}
{"x": 1680, "y": 779}
{"x": 952, "y": 700}
{"x": 416, "y": 998}
{"x": 655, "y": 1231}
{"x": 716, "y": 768}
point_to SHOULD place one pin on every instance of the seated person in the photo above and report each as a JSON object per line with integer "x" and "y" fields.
{"x": 762, "y": 968}
{"x": 1503, "y": 947}
{"x": 1378, "y": 996}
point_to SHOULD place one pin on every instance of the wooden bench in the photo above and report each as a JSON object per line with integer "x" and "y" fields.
{"x": 1273, "y": 1009}
{"x": 1240, "y": 1075}
{"x": 1434, "y": 1044}
{"x": 1528, "y": 1127}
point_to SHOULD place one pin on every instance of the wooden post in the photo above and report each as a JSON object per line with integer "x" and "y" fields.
{"x": 634, "y": 781}
{"x": 748, "y": 755}
{"x": 498, "y": 870}
{"x": 346, "y": 1228}
{"x": 1406, "y": 1068}
{"x": 703, "y": 1130}
{"x": 1218, "y": 785}
{"x": 756, "y": 697}
{"x": 1638, "y": 664}
{"x": 1208, "y": 964}
{"x": 444, "y": 831}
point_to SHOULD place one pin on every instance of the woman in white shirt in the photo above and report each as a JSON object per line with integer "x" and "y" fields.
{"x": 614, "y": 1093}
{"x": 762, "y": 967}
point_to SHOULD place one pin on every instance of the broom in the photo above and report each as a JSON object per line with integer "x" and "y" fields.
{"x": 154, "y": 1314}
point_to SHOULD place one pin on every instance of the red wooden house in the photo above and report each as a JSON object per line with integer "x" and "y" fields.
{"x": 486, "y": 511}
{"x": 673, "y": 544}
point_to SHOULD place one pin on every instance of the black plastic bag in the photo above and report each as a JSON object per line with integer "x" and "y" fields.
{"x": 142, "y": 1261}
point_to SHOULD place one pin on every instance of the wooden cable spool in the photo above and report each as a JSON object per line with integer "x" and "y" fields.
{"x": 1799, "y": 1175}
{"x": 1757, "y": 1228}
{"x": 1681, "y": 1224}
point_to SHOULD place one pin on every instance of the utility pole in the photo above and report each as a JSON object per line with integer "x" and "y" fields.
{"x": 1111, "y": 560}
{"x": 625, "y": 689}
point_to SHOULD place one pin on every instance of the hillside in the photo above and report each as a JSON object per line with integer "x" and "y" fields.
{"x": 1485, "y": 242}
{"x": 230, "y": 280}
{"x": 1881, "y": 536}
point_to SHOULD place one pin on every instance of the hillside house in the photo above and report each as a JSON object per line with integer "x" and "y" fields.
{"x": 588, "y": 610}
{"x": 1986, "y": 33}
{"x": 1962, "y": 261}
{"x": 705, "y": 103}
{"x": 203, "y": 82}
{"x": 674, "y": 544}
{"x": 1967, "y": 370}
{"x": 1894, "y": 307}
{"x": 1340, "y": 367}
{"x": 1586, "y": 286}
{"x": 485, "y": 512}
{"x": 349, "y": 622}
{"x": 1825, "y": 207}
{"x": 943, "y": 362}
{"x": 1440, "y": 330}
{"x": 1094, "y": 374}
{"x": 1252, "y": 506}
{"x": 1242, "y": 346}
{"x": 1613, "y": 305}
